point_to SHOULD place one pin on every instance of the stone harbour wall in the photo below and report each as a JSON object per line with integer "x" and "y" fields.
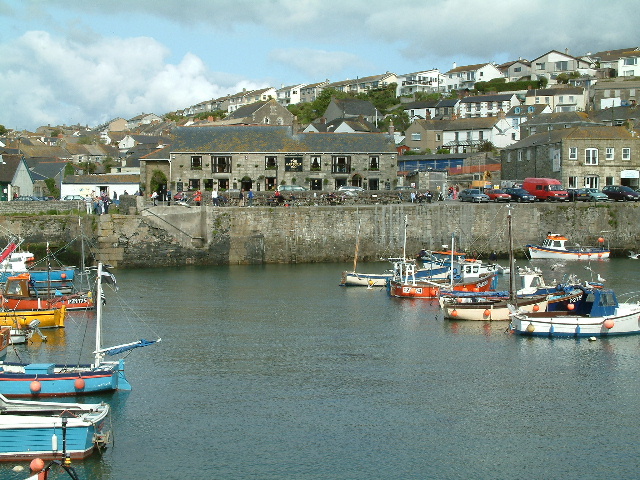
{"x": 177, "y": 235}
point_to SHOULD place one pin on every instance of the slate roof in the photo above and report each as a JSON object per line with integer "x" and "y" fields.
{"x": 559, "y": 117}
{"x": 466, "y": 68}
{"x": 234, "y": 139}
{"x": 353, "y": 106}
{"x": 616, "y": 113}
{"x": 556, "y": 136}
{"x": 420, "y": 104}
{"x": 524, "y": 110}
{"x": 47, "y": 167}
{"x": 247, "y": 110}
{"x": 501, "y": 97}
{"x": 610, "y": 55}
{"x": 549, "y": 92}
{"x": 9, "y": 167}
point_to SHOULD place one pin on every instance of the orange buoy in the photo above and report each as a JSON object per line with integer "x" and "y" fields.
{"x": 601, "y": 240}
{"x": 459, "y": 300}
{"x": 63, "y": 276}
{"x": 536, "y": 307}
{"x": 79, "y": 383}
{"x": 571, "y": 306}
{"x": 35, "y": 386}
{"x": 608, "y": 324}
{"x": 454, "y": 313}
{"x": 36, "y": 465}
{"x": 476, "y": 289}
{"x": 487, "y": 312}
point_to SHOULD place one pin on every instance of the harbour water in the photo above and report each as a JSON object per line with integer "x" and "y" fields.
{"x": 276, "y": 372}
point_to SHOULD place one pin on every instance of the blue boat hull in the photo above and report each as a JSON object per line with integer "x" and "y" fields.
{"x": 80, "y": 380}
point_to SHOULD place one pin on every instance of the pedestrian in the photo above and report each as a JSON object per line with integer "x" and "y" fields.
{"x": 168, "y": 198}
{"x": 413, "y": 197}
{"x": 214, "y": 198}
{"x": 197, "y": 197}
{"x": 250, "y": 196}
{"x": 88, "y": 203}
{"x": 154, "y": 198}
{"x": 241, "y": 197}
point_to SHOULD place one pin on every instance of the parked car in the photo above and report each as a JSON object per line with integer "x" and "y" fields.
{"x": 621, "y": 193}
{"x": 73, "y": 197}
{"x": 473, "y": 195}
{"x": 578, "y": 195}
{"x": 27, "y": 198}
{"x": 596, "y": 195}
{"x": 350, "y": 188}
{"x": 497, "y": 195}
{"x": 520, "y": 195}
{"x": 291, "y": 188}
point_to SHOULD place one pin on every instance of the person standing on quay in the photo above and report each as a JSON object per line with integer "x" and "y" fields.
{"x": 241, "y": 197}
{"x": 250, "y": 196}
{"x": 214, "y": 198}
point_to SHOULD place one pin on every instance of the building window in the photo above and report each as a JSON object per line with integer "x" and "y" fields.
{"x": 540, "y": 66}
{"x": 316, "y": 164}
{"x": 270, "y": 163}
{"x": 221, "y": 164}
{"x": 631, "y": 61}
{"x": 374, "y": 162}
{"x": 591, "y": 156}
{"x": 194, "y": 184}
{"x": 610, "y": 153}
{"x": 626, "y": 153}
{"x": 573, "y": 153}
{"x": 519, "y": 155}
{"x": 562, "y": 66}
{"x": 341, "y": 164}
{"x": 293, "y": 164}
{"x": 608, "y": 181}
{"x": 416, "y": 136}
{"x": 573, "y": 182}
{"x": 196, "y": 162}
{"x": 438, "y": 137}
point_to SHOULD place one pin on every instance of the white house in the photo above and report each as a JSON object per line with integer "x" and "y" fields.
{"x": 465, "y": 135}
{"x": 515, "y": 70}
{"x": 465, "y": 77}
{"x": 553, "y": 63}
{"x": 519, "y": 114}
{"x": 629, "y": 64}
{"x": 486, "y": 105}
{"x": 290, "y": 95}
{"x": 560, "y": 99}
{"x": 94, "y": 185}
{"x": 423, "y": 81}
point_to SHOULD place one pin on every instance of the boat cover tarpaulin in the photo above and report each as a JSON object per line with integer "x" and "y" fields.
{"x": 8, "y": 251}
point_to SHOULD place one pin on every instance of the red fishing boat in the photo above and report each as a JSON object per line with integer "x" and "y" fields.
{"x": 20, "y": 294}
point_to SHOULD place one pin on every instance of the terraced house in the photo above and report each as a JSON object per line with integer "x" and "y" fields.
{"x": 263, "y": 157}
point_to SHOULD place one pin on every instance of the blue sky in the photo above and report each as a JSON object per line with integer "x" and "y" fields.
{"x": 87, "y": 61}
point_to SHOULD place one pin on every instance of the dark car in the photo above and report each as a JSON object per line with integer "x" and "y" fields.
{"x": 621, "y": 193}
{"x": 520, "y": 195}
{"x": 473, "y": 195}
{"x": 27, "y": 198}
{"x": 497, "y": 195}
{"x": 578, "y": 195}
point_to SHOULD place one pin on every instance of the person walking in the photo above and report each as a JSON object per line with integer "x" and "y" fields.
{"x": 154, "y": 198}
{"x": 215, "y": 200}
{"x": 241, "y": 197}
{"x": 250, "y": 196}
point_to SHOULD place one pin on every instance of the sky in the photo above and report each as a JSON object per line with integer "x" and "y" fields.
{"x": 66, "y": 62}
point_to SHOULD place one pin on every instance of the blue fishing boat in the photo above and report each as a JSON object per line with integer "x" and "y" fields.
{"x": 51, "y": 430}
{"x": 49, "y": 379}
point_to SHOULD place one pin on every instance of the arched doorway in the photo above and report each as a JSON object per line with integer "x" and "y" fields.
{"x": 356, "y": 180}
{"x": 246, "y": 183}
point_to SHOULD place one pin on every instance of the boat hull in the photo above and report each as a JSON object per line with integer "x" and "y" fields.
{"x": 47, "y": 318}
{"x": 496, "y": 311}
{"x": 423, "y": 289}
{"x": 537, "y": 251}
{"x": 353, "y": 279}
{"x": 625, "y": 321}
{"x": 70, "y": 302}
{"x": 25, "y": 437}
{"x": 17, "y": 380}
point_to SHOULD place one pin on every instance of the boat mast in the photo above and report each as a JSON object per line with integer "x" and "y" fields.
{"x": 98, "y": 302}
{"x": 512, "y": 265}
{"x": 355, "y": 256}
{"x": 453, "y": 249}
{"x": 404, "y": 243}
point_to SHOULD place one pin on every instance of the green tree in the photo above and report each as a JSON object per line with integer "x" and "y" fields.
{"x": 108, "y": 163}
{"x": 158, "y": 179}
{"x": 53, "y": 189}
{"x": 88, "y": 167}
{"x": 3, "y": 130}
{"x": 69, "y": 170}
{"x": 85, "y": 140}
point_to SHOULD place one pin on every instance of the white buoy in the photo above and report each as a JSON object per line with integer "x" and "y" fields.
{"x": 54, "y": 442}
{"x": 592, "y": 339}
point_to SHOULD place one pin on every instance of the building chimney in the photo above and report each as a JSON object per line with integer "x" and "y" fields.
{"x": 454, "y": 66}
{"x": 566, "y": 51}
{"x": 391, "y": 128}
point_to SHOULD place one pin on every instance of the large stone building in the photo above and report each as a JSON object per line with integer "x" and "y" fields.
{"x": 263, "y": 157}
{"x": 578, "y": 157}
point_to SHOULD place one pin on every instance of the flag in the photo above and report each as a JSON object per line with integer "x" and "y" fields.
{"x": 109, "y": 278}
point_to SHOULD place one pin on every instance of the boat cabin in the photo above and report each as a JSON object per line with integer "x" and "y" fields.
{"x": 596, "y": 302}
{"x": 555, "y": 241}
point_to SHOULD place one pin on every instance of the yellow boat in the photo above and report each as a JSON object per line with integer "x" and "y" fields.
{"x": 23, "y": 318}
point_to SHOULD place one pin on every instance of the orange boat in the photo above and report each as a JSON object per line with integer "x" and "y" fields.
{"x": 20, "y": 294}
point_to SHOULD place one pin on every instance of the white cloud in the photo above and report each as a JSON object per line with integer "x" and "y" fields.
{"x": 316, "y": 63}
{"x": 50, "y": 80}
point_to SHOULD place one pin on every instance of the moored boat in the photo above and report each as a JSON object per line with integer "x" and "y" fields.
{"x": 23, "y": 318}
{"x": 49, "y": 379}
{"x": 596, "y": 313}
{"x": 20, "y": 293}
{"x": 555, "y": 247}
{"x": 51, "y": 430}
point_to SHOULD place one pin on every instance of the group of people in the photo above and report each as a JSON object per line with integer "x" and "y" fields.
{"x": 99, "y": 204}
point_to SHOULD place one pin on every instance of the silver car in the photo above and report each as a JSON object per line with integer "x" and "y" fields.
{"x": 473, "y": 195}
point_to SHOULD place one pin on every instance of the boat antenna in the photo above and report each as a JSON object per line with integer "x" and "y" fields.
{"x": 512, "y": 266}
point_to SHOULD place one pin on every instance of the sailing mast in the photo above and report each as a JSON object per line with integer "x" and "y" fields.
{"x": 98, "y": 303}
{"x": 512, "y": 268}
{"x": 355, "y": 256}
{"x": 453, "y": 249}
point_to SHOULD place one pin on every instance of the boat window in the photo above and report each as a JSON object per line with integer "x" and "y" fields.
{"x": 557, "y": 243}
{"x": 608, "y": 299}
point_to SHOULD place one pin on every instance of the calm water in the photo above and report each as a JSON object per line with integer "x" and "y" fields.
{"x": 275, "y": 372}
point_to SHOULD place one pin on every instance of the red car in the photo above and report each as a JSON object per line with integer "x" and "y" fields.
{"x": 497, "y": 195}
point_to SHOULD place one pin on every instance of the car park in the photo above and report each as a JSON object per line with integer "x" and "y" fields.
{"x": 520, "y": 195}
{"x": 473, "y": 195}
{"x": 621, "y": 193}
{"x": 497, "y": 195}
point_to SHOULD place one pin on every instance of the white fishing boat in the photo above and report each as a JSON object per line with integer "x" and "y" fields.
{"x": 555, "y": 247}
